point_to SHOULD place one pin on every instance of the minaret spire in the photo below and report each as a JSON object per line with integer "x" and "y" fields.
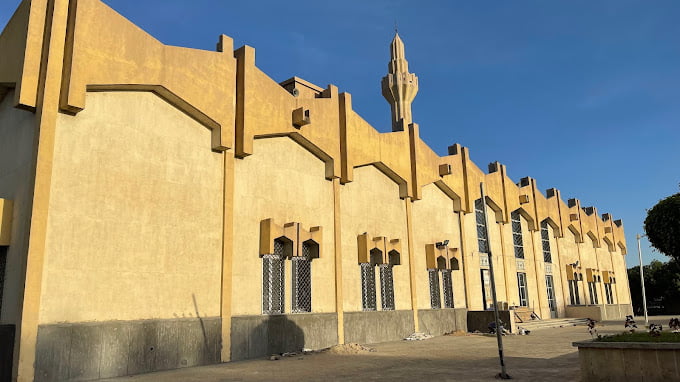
{"x": 399, "y": 87}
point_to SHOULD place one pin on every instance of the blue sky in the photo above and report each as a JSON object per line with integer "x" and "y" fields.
{"x": 583, "y": 96}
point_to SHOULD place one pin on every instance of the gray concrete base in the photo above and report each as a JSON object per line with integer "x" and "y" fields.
{"x": 258, "y": 336}
{"x": 84, "y": 351}
{"x": 379, "y": 326}
{"x": 599, "y": 312}
{"x": 439, "y": 321}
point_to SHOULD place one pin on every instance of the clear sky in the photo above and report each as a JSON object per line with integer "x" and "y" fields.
{"x": 583, "y": 96}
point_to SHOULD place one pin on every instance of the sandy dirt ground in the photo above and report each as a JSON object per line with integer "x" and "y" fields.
{"x": 544, "y": 355}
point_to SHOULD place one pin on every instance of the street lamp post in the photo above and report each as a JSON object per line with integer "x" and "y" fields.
{"x": 499, "y": 331}
{"x": 642, "y": 280}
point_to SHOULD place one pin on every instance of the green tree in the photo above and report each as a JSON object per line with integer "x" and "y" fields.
{"x": 662, "y": 287}
{"x": 662, "y": 226}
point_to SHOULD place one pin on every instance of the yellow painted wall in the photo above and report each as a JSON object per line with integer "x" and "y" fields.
{"x": 135, "y": 219}
{"x": 371, "y": 204}
{"x": 285, "y": 182}
{"x": 435, "y": 221}
{"x": 16, "y": 150}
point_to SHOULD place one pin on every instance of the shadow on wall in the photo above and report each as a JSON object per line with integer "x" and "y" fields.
{"x": 258, "y": 336}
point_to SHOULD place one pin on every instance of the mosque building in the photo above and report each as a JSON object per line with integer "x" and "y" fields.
{"x": 164, "y": 207}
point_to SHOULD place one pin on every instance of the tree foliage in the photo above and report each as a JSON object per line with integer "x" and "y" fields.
{"x": 662, "y": 287}
{"x": 662, "y": 226}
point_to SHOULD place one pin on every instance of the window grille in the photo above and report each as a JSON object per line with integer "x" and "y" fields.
{"x": 387, "y": 286}
{"x": 482, "y": 240}
{"x": 435, "y": 300}
{"x": 273, "y": 270}
{"x": 545, "y": 240}
{"x": 592, "y": 288}
{"x": 517, "y": 235}
{"x": 573, "y": 292}
{"x": 302, "y": 282}
{"x": 448, "y": 288}
{"x": 368, "y": 286}
{"x": 522, "y": 284}
{"x": 550, "y": 288}
{"x": 486, "y": 289}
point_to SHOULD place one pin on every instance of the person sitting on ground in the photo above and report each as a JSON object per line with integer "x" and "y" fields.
{"x": 674, "y": 324}
{"x": 492, "y": 328}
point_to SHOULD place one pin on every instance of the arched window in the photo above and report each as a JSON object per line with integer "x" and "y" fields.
{"x": 482, "y": 237}
{"x": 517, "y": 241}
{"x": 435, "y": 299}
{"x": 273, "y": 279}
{"x": 545, "y": 241}
{"x": 302, "y": 279}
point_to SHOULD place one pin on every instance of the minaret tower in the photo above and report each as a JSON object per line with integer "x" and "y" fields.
{"x": 399, "y": 87}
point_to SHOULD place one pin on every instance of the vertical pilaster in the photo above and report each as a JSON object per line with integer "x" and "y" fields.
{"x": 47, "y": 107}
{"x": 411, "y": 262}
{"x": 337, "y": 242}
{"x": 227, "y": 253}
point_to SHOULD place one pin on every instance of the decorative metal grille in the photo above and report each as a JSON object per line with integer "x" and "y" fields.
{"x": 517, "y": 235}
{"x": 435, "y": 299}
{"x": 386, "y": 287}
{"x": 548, "y": 268}
{"x": 302, "y": 282}
{"x": 3, "y": 265}
{"x": 519, "y": 264}
{"x": 545, "y": 240}
{"x": 273, "y": 279}
{"x": 522, "y": 283}
{"x": 447, "y": 282}
{"x": 482, "y": 240}
{"x": 368, "y": 286}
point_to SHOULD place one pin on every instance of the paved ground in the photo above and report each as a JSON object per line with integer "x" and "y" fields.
{"x": 544, "y": 355}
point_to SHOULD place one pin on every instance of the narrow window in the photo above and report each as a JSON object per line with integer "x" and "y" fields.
{"x": 3, "y": 265}
{"x": 273, "y": 270}
{"x": 545, "y": 240}
{"x": 302, "y": 281}
{"x": 517, "y": 235}
{"x": 486, "y": 289}
{"x": 577, "y": 295}
{"x": 522, "y": 284}
{"x": 387, "y": 286}
{"x": 592, "y": 288}
{"x": 482, "y": 241}
{"x": 572, "y": 299}
{"x": 368, "y": 286}
{"x": 549, "y": 285}
{"x": 435, "y": 299}
{"x": 448, "y": 288}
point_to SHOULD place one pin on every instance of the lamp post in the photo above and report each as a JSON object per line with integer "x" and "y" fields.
{"x": 642, "y": 280}
{"x": 499, "y": 330}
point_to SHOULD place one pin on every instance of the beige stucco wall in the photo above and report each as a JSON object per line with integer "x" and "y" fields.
{"x": 135, "y": 219}
{"x": 434, "y": 221}
{"x": 371, "y": 204}
{"x": 285, "y": 182}
{"x": 17, "y": 129}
